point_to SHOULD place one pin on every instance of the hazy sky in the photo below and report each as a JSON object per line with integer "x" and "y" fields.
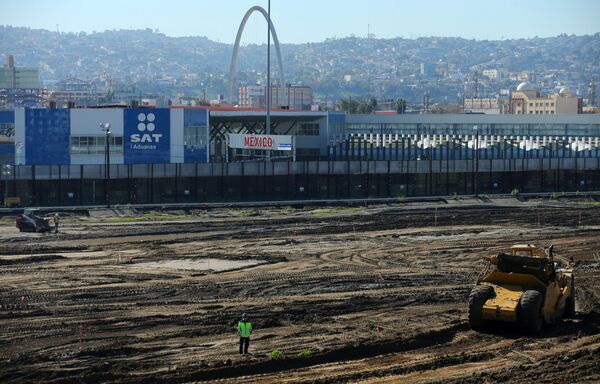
{"x": 298, "y": 21}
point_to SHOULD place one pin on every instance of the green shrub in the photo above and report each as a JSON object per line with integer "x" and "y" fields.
{"x": 306, "y": 353}
{"x": 276, "y": 354}
{"x": 515, "y": 192}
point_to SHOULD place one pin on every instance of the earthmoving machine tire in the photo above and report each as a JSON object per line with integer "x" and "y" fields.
{"x": 570, "y": 304}
{"x": 530, "y": 319}
{"x": 479, "y": 295}
{"x": 569, "y": 308}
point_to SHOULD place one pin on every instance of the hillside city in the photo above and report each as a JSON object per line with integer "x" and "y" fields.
{"x": 391, "y": 208}
{"x": 437, "y": 70}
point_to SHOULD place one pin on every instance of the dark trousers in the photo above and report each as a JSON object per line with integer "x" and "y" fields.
{"x": 244, "y": 343}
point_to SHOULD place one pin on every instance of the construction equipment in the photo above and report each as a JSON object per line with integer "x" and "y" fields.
{"x": 526, "y": 287}
{"x": 28, "y": 221}
{"x": 11, "y": 202}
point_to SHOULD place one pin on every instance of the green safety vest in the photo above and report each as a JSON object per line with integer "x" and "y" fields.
{"x": 244, "y": 328}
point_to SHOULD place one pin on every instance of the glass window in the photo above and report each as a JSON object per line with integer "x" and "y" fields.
{"x": 95, "y": 145}
{"x": 194, "y": 136}
{"x": 308, "y": 129}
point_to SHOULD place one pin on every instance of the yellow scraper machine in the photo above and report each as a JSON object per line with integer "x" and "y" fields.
{"x": 526, "y": 287}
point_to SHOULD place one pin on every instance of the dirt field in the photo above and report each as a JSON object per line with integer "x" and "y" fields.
{"x": 372, "y": 294}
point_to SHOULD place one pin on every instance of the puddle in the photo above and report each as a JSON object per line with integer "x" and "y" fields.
{"x": 201, "y": 264}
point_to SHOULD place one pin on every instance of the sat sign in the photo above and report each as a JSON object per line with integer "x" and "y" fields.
{"x": 147, "y": 136}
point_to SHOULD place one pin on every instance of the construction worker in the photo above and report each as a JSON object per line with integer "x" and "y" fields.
{"x": 56, "y": 219}
{"x": 244, "y": 328}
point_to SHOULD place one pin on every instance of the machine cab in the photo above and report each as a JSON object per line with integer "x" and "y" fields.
{"x": 526, "y": 250}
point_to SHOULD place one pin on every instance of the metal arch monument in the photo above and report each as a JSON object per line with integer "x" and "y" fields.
{"x": 232, "y": 68}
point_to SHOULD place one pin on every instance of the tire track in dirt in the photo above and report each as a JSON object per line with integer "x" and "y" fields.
{"x": 339, "y": 285}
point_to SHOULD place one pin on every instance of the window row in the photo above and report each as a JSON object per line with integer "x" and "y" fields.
{"x": 95, "y": 145}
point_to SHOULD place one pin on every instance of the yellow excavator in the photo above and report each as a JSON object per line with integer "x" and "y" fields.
{"x": 527, "y": 287}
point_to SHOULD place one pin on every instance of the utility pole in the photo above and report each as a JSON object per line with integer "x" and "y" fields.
{"x": 476, "y": 161}
{"x": 268, "y": 122}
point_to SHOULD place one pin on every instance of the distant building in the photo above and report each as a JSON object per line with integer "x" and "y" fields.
{"x": 492, "y": 106}
{"x": 220, "y": 100}
{"x": 527, "y": 101}
{"x": 387, "y": 105}
{"x": 18, "y": 77}
{"x": 124, "y": 94}
{"x": 299, "y": 97}
{"x": 73, "y": 90}
{"x": 493, "y": 73}
{"x": 19, "y": 86}
{"x": 590, "y": 109}
{"x": 252, "y": 96}
{"x": 428, "y": 69}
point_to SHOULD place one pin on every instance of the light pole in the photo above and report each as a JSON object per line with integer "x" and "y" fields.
{"x": 106, "y": 127}
{"x": 268, "y": 112}
{"x": 5, "y": 170}
{"x": 18, "y": 149}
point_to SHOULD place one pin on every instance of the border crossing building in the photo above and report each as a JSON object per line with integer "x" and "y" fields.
{"x": 192, "y": 155}
{"x": 154, "y": 135}
{"x": 202, "y": 135}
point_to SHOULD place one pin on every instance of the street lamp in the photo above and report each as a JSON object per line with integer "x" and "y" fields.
{"x": 106, "y": 127}
{"x": 5, "y": 170}
{"x": 476, "y": 161}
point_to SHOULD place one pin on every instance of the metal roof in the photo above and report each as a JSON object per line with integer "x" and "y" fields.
{"x": 474, "y": 118}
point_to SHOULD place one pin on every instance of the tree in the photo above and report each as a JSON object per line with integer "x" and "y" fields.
{"x": 353, "y": 106}
{"x": 401, "y": 106}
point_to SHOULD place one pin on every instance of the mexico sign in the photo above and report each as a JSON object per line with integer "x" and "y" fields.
{"x": 263, "y": 142}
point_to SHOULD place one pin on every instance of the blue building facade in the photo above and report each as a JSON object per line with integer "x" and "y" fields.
{"x": 138, "y": 135}
{"x": 7, "y": 127}
{"x": 49, "y": 130}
